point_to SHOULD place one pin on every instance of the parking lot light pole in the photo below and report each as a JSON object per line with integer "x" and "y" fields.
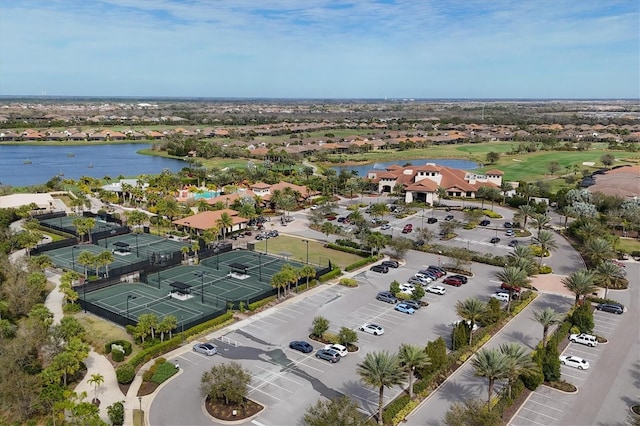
{"x": 307, "y": 241}
{"x": 73, "y": 259}
{"x": 129, "y": 297}
{"x": 260, "y": 265}
{"x": 201, "y": 275}
{"x": 84, "y": 296}
{"x": 137, "y": 252}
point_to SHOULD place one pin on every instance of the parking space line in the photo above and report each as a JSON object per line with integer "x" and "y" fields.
{"x": 251, "y": 389}
{"x": 539, "y": 413}
{"x": 548, "y": 397}
{"x": 270, "y": 382}
{"x": 188, "y": 360}
{"x": 282, "y": 312}
{"x": 282, "y": 375}
{"x": 547, "y": 406}
{"x": 572, "y": 376}
{"x": 273, "y": 316}
{"x": 529, "y": 420}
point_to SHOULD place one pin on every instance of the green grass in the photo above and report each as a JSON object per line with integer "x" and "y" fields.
{"x": 628, "y": 245}
{"x": 318, "y": 254}
{"x": 138, "y": 417}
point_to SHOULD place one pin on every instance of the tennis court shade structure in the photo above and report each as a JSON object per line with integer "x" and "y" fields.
{"x": 239, "y": 268}
{"x": 180, "y": 288}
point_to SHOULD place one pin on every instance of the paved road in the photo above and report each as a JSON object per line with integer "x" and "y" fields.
{"x": 464, "y": 385}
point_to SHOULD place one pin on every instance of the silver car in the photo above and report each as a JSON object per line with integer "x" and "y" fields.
{"x": 205, "y": 348}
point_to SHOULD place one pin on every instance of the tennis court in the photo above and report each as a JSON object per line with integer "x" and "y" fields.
{"x": 69, "y": 258}
{"x": 66, "y": 223}
{"x": 193, "y": 292}
{"x": 142, "y": 245}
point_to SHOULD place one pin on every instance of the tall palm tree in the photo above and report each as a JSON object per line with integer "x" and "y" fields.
{"x": 412, "y": 357}
{"x": 307, "y": 271}
{"x": 598, "y": 250}
{"x": 546, "y": 241}
{"x": 278, "y": 281}
{"x": 547, "y": 317}
{"x": 493, "y": 365}
{"x": 522, "y": 256}
{"x": 520, "y": 362}
{"x": 471, "y": 310}
{"x": 526, "y": 211}
{"x": 541, "y": 221}
{"x": 606, "y": 274}
{"x": 513, "y": 276}
{"x": 528, "y": 190}
{"x": 96, "y": 380}
{"x": 580, "y": 283}
{"x": 224, "y": 223}
{"x": 504, "y": 188}
{"x": 380, "y": 370}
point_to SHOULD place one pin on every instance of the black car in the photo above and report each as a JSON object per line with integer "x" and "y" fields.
{"x": 302, "y": 346}
{"x": 412, "y": 303}
{"x": 611, "y": 307}
{"x": 461, "y": 278}
{"x": 448, "y": 217}
{"x": 418, "y": 243}
{"x": 438, "y": 269}
{"x": 380, "y": 269}
{"x": 390, "y": 264}
{"x": 485, "y": 222}
{"x": 495, "y": 240}
{"x": 432, "y": 220}
{"x": 513, "y": 243}
{"x": 508, "y": 225}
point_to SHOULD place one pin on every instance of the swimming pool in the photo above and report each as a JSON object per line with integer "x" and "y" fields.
{"x": 206, "y": 195}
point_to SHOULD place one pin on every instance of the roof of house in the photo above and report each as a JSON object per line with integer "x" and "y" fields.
{"x": 622, "y": 182}
{"x": 208, "y": 219}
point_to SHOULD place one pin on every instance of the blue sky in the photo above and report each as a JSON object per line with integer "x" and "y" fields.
{"x": 321, "y": 48}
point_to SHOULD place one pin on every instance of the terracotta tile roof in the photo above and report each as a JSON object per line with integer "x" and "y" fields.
{"x": 494, "y": 172}
{"x": 208, "y": 219}
{"x": 260, "y": 185}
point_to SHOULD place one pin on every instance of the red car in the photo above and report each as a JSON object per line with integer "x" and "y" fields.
{"x": 507, "y": 287}
{"x": 452, "y": 281}
{"x": 331, "y": 218}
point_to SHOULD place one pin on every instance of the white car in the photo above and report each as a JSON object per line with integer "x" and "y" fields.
{"x": 341, "y": 350}
{"x": 407, "y": 288}
{"x": 574, "y": 361}
{"x": 385, "y": 227}
{"x": 205, "y": 348}
{"x": 585, "y": 339}
{"x": 314, "y": 207}
{"x": 437, "y": 289}
{"x": 423, "y": 278}
{"x": 475, "y": 326}
{"x": 503, "y": 297}
{"x": 374, "y": 329}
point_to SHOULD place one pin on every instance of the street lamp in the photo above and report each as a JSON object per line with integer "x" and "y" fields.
{"x": 106, "y": 238}
{"x": 84, "y": 296}
{"x": 129, "y": 297}
{"x": 140, "y": 401}
{"x": 73, "y": 259}
{"x": 266, "y": 244}
{"x": 260, "y": 265}
{"x": 307, "y": 241}
{"x": 136, "y": 235}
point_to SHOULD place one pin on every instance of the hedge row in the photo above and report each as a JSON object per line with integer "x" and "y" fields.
{"x": 330, "y": 275}
{"x": 260, "y": 303}
{"x": 350, "y": 250}
{"x": 361, "y": 263}
{"x": 171, "y": 344}
{"x": 126, "y": 345}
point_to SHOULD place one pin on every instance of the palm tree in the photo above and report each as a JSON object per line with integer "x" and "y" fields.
{"x": 307, "y": 271}
{"x": 493, "y": 365}
{"x": 96, "y": 380}
{"x": 546, "y": 241}
{"x": 598, "y": 250}
{"x": 504, "y": 188}
{"x": 471, "y": 310}
{"x": 86, "y": 259}
{"x": 105, "y": 259}
{"x": 520, "y": 362}
{"x": 513, "y": 276}
{"x": 412, "y": 357}
{"x": 526, "y": 211}
{"x": 278, "y": 280}
{"x": 528, "y": 190}
{"x": 607, "y": 273}
{"x": 327, "y": 228}
{"x": 522, "y": 257}
{"x": 580, "y": 283}
{"x": 541, "y": 221}
{"x": 547, "y": 317}
{"x": 225, "y": 222}
{"x": 380, "y": 370}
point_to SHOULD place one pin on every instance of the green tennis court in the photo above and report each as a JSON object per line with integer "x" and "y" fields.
{"x": 66, "y": 223}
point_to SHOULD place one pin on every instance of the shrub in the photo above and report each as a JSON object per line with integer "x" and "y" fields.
{"x": 117, "y": 355}
{"x": 319, "y": 325}
{"x": 551, "y": 363}
{"x": 394, "y": 287}
{"x": 358, "y": 252}
{"x": 460, "y": 335}
{"x": 533, "y": 379}
{"x": 147, "y": 375}
{"x": 125, "y": 374}
{"x": 348, "y": 282}
{"x": 594, "y": 299}
{"x": 405, "y": 411}
{"x": 163, "y": 372}
{"x": 491, "y": 214}
{"x": 116, "y": 413}
{"x": 348, "y": 243}
{"x": 71, "y": 308}
{"x": 545, "y": 269}
{"x": 394, "y": 408}
{"x": 582, "y": 318}
{"x": 330, "y": 275}
{"x": 437, "y": 351}
{"x": 361, "y": 263}
{"x": 126, "y": 345}
{"x": 260, "y": 303}
{"x": 494, "y": 312}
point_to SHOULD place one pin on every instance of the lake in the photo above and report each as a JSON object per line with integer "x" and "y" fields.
{"x": 456, "y": 164}
{"x": 74, "y": 162}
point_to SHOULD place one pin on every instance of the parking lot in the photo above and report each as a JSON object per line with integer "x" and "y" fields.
{"x": 547, "y": 406}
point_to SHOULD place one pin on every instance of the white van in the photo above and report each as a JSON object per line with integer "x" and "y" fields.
{"x": 503, "y": 297}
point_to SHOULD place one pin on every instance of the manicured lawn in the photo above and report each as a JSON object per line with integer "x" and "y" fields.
{"x": 628, "y": 245}
{"x": 298, "y": 248}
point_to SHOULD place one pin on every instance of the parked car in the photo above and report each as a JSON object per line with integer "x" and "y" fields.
{"x": 475, "y": 324}
{"x": 331, "y": 217}
{"x": 510, "y": 233}
{"x": 508, "y": 225}
{"x": 205, "y": 348}
{"x": 508, "y": 287}
{"x": 406, "y": 230}
{"x": 503, "y": 297}
{"x": 461, "y": 278}
{"x": 429, "y": 273}
{"x": 495, "y": 240}
{"x": 340, "y": 349}
{"x": 379, "y": 268}
{"x": 414, "y": 303}
{"x": 611, "y": 307}
{"x": 416, "y": 281}
{"x": 513, "y": 243}
{"x": 385, "y": 296}
{"x": 385, "y": 227}
{"x": 423, "y": 279}
{"x": 438, "y": 268}
{"x": 432, "y": 220}
{"x": 407, "y": 288}
{"x": 485, "y": 222}
{"x": 390, "y": 264}
{"x": 314, "y": 207}
{"x": 584, "y": 339}
{"x": 404, "y": 308}
{"x": 448, "y": 217}
{"x": 374, "y": 329}
{"x": 574, "y": 361}
{"x": 302, "y": 346}
{"x": 452, "y": 281}
{"x": 328, "y": 354}
{"x": 418, "y": 243}
{"x": 436, "y": 289}
{"x": 438, "y": 273}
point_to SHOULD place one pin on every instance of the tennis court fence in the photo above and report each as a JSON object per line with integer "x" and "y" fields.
{"x": 52, "y": 246}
